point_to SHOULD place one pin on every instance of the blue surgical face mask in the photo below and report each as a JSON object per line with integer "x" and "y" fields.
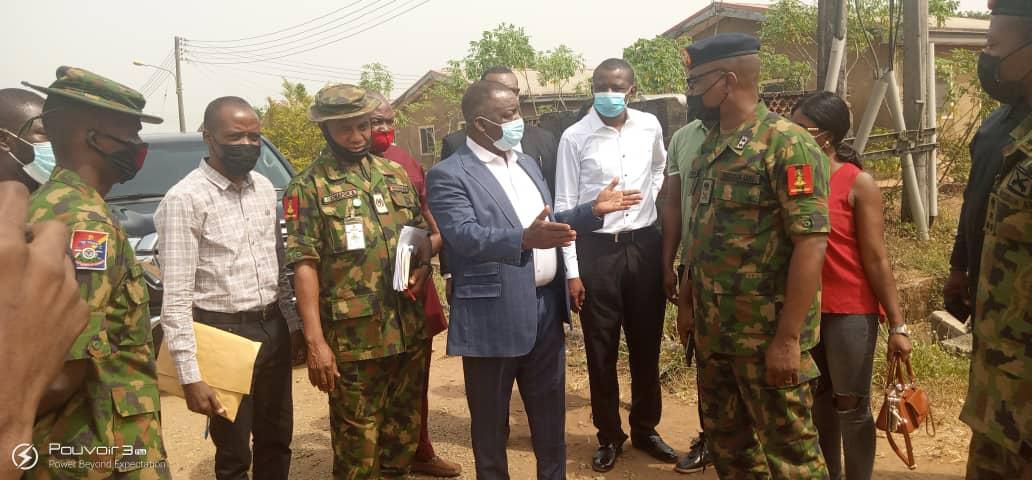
{"x": 43, "y": 161}
{"x": 512, "y": 134}
{"x": 610, "y": 104}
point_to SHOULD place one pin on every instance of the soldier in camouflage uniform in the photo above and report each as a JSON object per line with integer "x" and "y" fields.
{"x": 366, "y": 342}
{"x": 757, "y": 222}
{"x": 999, "y": 401}
{"x": 104, "y": 408}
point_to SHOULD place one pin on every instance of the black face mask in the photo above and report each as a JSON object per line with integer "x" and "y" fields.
{"x": 127, "y": 161}
{"x": 342, "y": 153}
{"x": 239, "y": 159}
{"x": 1007, "y": 92}
{"x": 697, "y": 110}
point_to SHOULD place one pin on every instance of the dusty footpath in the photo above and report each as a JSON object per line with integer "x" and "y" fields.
{"x": 191, "y": 456}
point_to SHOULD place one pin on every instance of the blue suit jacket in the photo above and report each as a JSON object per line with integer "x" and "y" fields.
{"x": 494, "y": 301}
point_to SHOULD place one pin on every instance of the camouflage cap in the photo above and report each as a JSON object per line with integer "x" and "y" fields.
{"x": 88, "y": 87}
{"x": 337, "y": 102}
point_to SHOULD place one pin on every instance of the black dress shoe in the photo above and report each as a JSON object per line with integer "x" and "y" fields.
{"x": 657, "y": 448}
{"x": 605, "y": 458}
{"x": 698, "y": 457}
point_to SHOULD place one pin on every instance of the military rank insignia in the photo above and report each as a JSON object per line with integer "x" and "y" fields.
{"x": 800, "y": 180}
{"x": 89, "y": 250}
{"x": 290, "y": 207}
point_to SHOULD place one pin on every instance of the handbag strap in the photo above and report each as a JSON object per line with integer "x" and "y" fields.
{"x": 908, "y": 459}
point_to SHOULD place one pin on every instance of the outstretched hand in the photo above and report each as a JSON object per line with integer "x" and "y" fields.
{"x": 543, "y": 234}
{"x": 611, "y": 200}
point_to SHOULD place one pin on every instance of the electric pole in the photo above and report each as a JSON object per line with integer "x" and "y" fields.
{"x": 179, "y": 83}
{"x": 915, "y": 90}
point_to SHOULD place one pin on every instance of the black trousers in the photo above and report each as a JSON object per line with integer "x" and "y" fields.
{"x": 541, "y": 376}
{"x": 624, "y": 284}
{"x": 267, "y": 413}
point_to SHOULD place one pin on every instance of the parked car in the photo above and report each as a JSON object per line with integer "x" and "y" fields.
{"x": 170, "y": 158}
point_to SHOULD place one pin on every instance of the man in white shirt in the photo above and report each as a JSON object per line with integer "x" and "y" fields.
{"x": 615, "y": 272}
{"x": 217, "y": 243}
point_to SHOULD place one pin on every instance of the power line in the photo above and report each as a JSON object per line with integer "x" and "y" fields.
{"x": 157, "y": 73}
{"x": 313, "y": 46}
{"x": 287, "y": 40}
{"x": 281, "y": 30}
{"x": 325, "y": 69}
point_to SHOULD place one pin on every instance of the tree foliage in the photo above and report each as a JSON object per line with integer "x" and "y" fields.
{"x": 657, "y": 65}
{"x": 285, "y": 122}
{"x": 507, "y": 45}
{"x": 376, "y": 77}
{"x": 557, "y": 66}
{"x": 964, "y": 108}
{"x": 446, "y": 92}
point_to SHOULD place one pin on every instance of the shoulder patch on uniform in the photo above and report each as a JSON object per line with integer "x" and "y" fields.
{"x": 1021, "y": 182}
{"x": 335, "y": 196}
{"x": 89, "y": 249}
{"x": 291, "y": 204}
{"x": 800, "y": 179}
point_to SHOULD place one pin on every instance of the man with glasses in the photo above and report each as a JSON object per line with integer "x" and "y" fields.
{"x": 619, "y": 284}
{"x": 25, "y": 152}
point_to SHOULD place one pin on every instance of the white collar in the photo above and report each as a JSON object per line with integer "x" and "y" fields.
{"x": 487, "y": 156}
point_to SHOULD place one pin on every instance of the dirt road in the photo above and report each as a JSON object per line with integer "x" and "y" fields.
{"x": 192, "y": 457}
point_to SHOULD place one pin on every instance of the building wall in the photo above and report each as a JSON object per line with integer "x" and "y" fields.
{"x": 442, "y": 117}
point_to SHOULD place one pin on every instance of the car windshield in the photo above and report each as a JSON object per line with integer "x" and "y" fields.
{"x": 168, "y": 162}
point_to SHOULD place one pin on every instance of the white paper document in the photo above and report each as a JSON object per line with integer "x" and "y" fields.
{"x": 410, "y": 241}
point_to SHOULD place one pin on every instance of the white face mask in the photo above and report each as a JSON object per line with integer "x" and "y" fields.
{"x": 43, "y": 160}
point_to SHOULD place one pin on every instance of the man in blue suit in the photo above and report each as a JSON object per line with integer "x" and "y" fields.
{"x": 508, "y": 299}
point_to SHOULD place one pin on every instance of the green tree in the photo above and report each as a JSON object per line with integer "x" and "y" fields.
{"x": 376, "y": 77}
{"x": 285, "y": 122}
{"x": 507, "y": 45}
{"x": 963, "y": 109}
{"x": 657, "y": 65}
{"x": 556, "y": 67}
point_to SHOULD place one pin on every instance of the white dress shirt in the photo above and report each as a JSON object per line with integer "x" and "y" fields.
{"x": 217, "y": 249}
{"x": 591, "y": 153}
{"x": 525, "y": 198}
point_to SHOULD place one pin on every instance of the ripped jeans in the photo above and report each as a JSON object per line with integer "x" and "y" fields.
{"x": 842, "y": 403}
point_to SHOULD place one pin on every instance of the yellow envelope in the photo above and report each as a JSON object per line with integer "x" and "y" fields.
{"x": 226, "y": 362}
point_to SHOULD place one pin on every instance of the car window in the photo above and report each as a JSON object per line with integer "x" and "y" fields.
{"x": 168, "y": 162}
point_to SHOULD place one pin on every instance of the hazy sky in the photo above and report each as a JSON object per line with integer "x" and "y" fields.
{"x": 105, "y": 36}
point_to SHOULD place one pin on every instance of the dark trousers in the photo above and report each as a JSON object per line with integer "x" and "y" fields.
{"x": 425, "y": 451}
{"x": 541, "y": 376}
{"x": 267, "y": 413}
{"x": 624, "y": 284}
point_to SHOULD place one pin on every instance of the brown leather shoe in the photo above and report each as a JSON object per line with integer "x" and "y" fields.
{"x": 437, "y": 467}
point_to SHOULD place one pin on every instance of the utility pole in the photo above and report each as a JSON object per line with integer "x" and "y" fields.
{"x": 832, "y": 16}
{"x": 915, "y": 89}
{"x": 179, "y": 83}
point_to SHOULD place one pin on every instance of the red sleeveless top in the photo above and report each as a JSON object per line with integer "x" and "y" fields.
{"x": 845, "y": 289}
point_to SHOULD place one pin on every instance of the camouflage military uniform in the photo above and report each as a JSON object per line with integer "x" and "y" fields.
{"x": 378, "y": 334}
{"x": 751, "y": 191}
{"x": 117, "y": 409}
{"x": 998, "y": 407}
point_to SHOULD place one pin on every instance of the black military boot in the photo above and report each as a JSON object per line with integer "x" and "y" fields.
{"x": 698, "y": 457}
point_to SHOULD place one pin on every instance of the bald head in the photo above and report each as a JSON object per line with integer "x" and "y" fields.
{"x": 17, "y": 106}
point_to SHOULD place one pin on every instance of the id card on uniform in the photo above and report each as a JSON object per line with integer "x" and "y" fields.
{"x": 354, "y": 234}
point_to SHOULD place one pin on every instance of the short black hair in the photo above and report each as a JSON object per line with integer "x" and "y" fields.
{"x": 13, "y": 103}
{"x": 497, "y": 70}
{"x": 213, "y": 108}
{"x": 613, "y": 64}
{"x": 476, "y": 97}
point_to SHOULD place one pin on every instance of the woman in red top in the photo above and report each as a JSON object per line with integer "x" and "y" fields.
{"x": 857, "y": 286}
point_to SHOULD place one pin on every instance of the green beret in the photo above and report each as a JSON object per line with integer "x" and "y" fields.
{"x": 719, "y": 47}
{"x": 87, "y": 87}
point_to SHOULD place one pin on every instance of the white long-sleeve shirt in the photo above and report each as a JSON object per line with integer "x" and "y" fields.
{"x": 591, "y": 153}
{"x": 217, "y": 246}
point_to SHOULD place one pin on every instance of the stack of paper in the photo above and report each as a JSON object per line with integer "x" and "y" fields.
{"x": 410, "y": 241}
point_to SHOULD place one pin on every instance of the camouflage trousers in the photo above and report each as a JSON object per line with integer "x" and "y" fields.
{"x": 755, "y": 431}
{"x": 988, "y": 460}
{"x": 375, "y": 414}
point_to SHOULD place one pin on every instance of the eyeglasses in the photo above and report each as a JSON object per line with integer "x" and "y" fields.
{"x": 691, "y": 82}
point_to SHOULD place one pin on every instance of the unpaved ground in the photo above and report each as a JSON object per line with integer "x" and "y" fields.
{"x": 191, "y": 456}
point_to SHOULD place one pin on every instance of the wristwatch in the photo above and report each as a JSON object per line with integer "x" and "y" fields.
{"x": 901, "y": 330}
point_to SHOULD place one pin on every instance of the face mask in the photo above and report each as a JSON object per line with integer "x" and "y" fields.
{"x": 512, "y": 134}
{"x": 343, "y": 153}
{"x": 127, "y": 161}
{"x": 382, "y": 140}
{"x": 239, "y": 159}
{"x": 1007, "y": 92}
{"x": 43, "y": 161}
{"x": 610, "y": 104}
{"x": 697, "y": 109}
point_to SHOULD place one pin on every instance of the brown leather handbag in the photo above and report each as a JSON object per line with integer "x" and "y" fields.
{"x": 905, "y": 409}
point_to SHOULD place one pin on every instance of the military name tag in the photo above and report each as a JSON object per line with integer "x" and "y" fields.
{"x": 354, "y": 234}
{"x": 707, "y": 191}
{"x": 335, "y": 196}
{"x": 379, "y": 204}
